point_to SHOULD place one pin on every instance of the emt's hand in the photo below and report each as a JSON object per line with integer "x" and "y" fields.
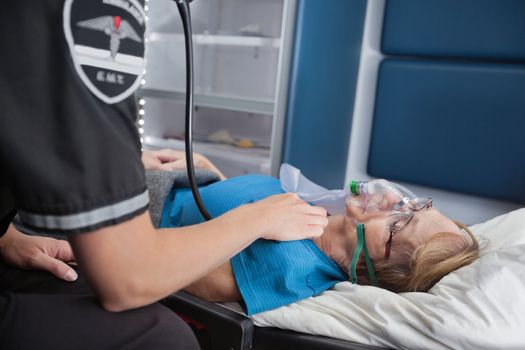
{"x": 41, "y": 253}
{"x": 170, "y": 159}
{"x": 286, "y": 217}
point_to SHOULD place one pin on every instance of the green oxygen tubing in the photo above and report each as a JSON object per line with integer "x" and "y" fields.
{"x": 361, "y": 248}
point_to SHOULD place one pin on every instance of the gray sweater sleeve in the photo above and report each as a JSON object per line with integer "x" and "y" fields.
{"x": 161, "y": 182}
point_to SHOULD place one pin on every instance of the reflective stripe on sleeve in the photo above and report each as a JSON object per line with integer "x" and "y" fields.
{"x": 88, "y": 218}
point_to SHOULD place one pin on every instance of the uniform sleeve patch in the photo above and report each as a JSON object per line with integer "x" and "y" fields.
{"x": 106, "y": 42}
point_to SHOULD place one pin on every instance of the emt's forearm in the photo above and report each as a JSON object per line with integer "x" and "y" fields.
{"x": 131, "y": 264}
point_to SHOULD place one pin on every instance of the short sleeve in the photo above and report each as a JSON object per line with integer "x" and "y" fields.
{"x": 69, "y": 148}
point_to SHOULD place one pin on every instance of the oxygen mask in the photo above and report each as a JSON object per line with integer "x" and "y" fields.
{"x": 359, "y": 200}
{"x": 370, "y": 198}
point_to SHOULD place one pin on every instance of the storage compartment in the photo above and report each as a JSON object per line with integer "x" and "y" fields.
{"x": 237, "y": 55}
{"x": 236, "y": 47}
{"x": 237, "y": 142}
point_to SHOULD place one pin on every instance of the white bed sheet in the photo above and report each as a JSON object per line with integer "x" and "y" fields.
{"x": 481, "y": 306}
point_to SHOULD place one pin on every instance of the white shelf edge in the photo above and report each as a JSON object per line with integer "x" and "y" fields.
{"x": 212, "y": 149}
{"x": 214, "y": 101}
{"x": 210, "y": 39}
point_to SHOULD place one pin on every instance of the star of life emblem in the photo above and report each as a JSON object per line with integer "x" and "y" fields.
{"x": 106, "y": 41}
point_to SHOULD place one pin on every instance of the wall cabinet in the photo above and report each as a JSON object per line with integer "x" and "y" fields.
{"x": 242, "y": 51}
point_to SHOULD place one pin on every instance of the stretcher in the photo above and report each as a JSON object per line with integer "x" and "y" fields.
{"x": 218, "y": 327}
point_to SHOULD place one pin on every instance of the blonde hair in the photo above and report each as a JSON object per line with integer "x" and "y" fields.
{"x": 420, "y": 269}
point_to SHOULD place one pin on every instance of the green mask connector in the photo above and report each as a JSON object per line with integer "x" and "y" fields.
{"x": 354, "y": 187}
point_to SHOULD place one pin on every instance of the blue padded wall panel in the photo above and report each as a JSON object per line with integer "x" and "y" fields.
{"x": 455, "y": 28}
{"x": 322, "y": 88}
{"x": 452, "y": 126}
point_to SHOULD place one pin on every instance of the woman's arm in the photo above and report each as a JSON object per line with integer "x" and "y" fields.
{"x": 170, "y": 159}
{"x": 217, "y": 286}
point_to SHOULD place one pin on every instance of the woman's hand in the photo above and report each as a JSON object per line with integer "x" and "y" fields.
{"x": 285, "y": 217}
{"x": 170, "y": 159}
{"x": 41, "y": 253}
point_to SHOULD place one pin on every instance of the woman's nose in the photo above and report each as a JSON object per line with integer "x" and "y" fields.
{"x": 392, "y": 201}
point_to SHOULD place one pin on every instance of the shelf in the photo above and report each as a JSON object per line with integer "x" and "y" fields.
{"x": 232, "y": 161}
{"x": 210, "y": 148}
{"x": 209, "y": 39}
{"x": 214, "y": 101}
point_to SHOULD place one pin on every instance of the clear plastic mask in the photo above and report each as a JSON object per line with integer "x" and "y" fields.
{"x": 373, "y": 196}
{"x": 377, "y": 196}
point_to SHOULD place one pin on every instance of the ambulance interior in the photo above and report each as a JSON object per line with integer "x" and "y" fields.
{"x": 429, "y": 94}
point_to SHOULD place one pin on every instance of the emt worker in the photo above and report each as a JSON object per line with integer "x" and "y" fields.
{"x": 71, "y": 163}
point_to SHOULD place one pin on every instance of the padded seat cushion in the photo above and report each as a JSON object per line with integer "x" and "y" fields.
{"x": 453, "y": 126}
{"x": 488, "y": 29}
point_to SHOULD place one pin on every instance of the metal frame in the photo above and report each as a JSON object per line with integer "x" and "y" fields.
{"x": 281, "y": 94}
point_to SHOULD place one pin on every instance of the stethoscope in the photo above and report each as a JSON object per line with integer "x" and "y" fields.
{"x": 184, "y": 10}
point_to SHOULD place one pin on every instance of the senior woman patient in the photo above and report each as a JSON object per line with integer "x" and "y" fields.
{"x": 408, "y": 249}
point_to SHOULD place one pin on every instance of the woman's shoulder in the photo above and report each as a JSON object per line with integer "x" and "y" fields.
{"x": 247, "y": 185}
{"x": 251, "y": 178}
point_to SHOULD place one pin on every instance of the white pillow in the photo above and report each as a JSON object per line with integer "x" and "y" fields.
{"x": 480, "y": 306}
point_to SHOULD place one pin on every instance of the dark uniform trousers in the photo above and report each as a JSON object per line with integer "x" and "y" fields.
{"x": 39, "y": 311}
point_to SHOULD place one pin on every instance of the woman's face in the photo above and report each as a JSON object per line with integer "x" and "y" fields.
{"x": 424, "y": 224}
{"x": 361, "y": 209}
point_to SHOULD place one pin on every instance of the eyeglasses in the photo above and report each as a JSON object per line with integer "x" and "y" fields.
{"x": 398, "y": 220}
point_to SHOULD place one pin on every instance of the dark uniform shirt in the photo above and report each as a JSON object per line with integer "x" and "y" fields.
{"x": 69, "y": 147}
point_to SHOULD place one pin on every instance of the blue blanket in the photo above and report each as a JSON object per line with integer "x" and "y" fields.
{"x": 269, "y": 274}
